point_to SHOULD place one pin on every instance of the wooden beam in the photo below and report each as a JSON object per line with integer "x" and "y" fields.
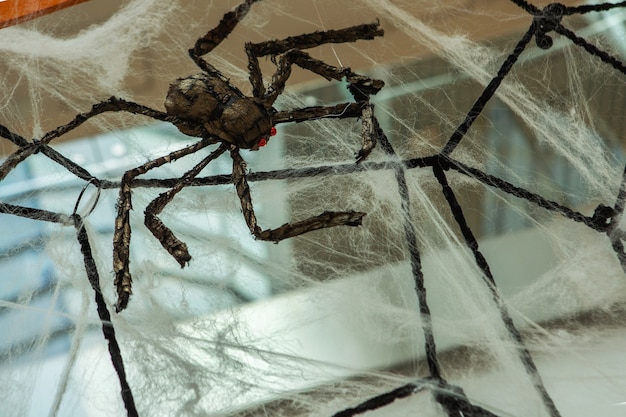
{"x": 13, "y": 12}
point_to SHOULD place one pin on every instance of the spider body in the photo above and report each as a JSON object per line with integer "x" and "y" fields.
{"x": 209, "y": 105}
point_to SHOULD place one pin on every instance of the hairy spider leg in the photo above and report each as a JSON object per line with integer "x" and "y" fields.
{"x": 305, "y": 114}
{"x": 113, "y": 104}
{"x": 6, "y": 133}
{"x": 121, "y": 234}
{"x": 171, "y": 243}
{"x": 26, "y": 149}
{"x": 288, "y": 230}
{"x": 310, "y": 40}
{"x": 360, "y": 86}
{"x": 362, "y": 109}
{"x": 215, "y": 36}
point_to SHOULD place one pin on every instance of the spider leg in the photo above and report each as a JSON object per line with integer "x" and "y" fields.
{"x": 362, "y": 109}
{"x": 215, "y": 36}
{"x": 324, "y": 220}
{"x": 113, "y": 104}
{"x": 360, "y": 86}
{"x": 370, "y": 128}
{"x": 121, "y": 234}
{"x": 369, "y": 132}
{"x": 171, "y": 243}
{"x": 27, "y": 148}
{"x": 306, "y": 41}
{"x": 12, "y": 136}
{"x": 339, "y": 111}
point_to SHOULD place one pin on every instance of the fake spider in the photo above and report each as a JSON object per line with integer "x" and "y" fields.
{"x": 206, "y": 105}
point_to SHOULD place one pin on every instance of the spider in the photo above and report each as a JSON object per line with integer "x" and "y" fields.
{"x": 206, "y": 105}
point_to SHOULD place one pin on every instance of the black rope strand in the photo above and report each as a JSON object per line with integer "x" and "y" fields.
{"x": 351, "y": 168}
{"x": 613, "y": 232}
{"x": 586, "y": 8}
{"x": 488, "y": 93}
{"x": 279, "y": 174}
{"x": 522, "y": 193}
{"x": 33, "y": 213}
{"x": 68, "y": 164}
{"x": 482, "y": 263}
{"x": 452, "y": 399}
{"x": 592, "y": 49}
{"x": 620, "y": 203}
{"x": 344, "y": 169}
{"x": 105, "y": 317}
{"x": 416, "y": 262}
{"x": 381, "y": 400}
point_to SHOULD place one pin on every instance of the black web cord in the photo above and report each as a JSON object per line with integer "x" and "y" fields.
{"x": 105, "y": 317}
{"x": 605, "y": 218}
{"x": 416, "y": 262}
{"x": 472, "y": 243}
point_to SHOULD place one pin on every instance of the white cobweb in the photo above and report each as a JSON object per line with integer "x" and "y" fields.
{"x": 323, "y": 322}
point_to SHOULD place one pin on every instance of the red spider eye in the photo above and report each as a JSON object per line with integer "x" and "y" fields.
{"x": 273, "y": 131}
{"x": 262, "y": 142}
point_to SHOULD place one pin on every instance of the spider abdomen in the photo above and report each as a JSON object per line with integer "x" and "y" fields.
{"x": 219, "y": 108}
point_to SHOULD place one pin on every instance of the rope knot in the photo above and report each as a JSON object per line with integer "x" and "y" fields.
{"x": 547, "y": 21}
{"x": 602, "y": 217}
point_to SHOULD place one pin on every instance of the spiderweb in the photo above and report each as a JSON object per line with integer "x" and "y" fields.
{"x": 487, "y": 278}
